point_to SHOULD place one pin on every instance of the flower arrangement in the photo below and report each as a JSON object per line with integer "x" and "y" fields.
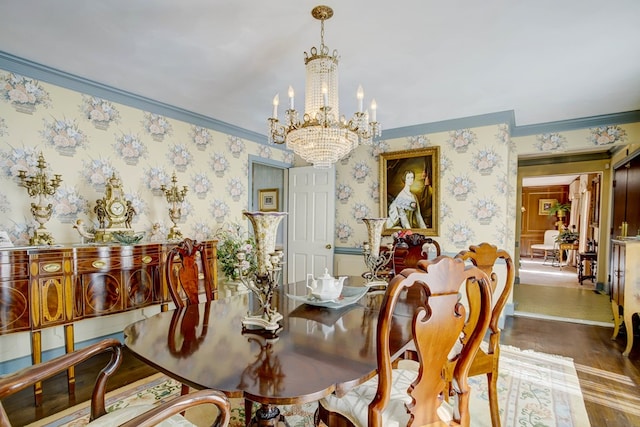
{"x": 96, "y": 172}
{"x": 63, "y": 134}
{"x": 130, "y": 148}
{"x": 201, "y": 137}
{"x": 180, "y": 157}
{"x": 550, "y": 142}
{"x": 235, "y": 145}
{"x": 231, "y": 240}
{"x": 485, "y": 160}
{"x": 378, "y": 147}
{"x": 419, "y": 141}
{"x": 265, "y": 152}
{"x": 99, "y": 111}
{"x": 605, "y": 135}
{"x": 219, "y": 164}
{"x": 156, "y": 125}
{"x": 344, "y": 192}
{"x": 460, "y": 140}
{"x": 401, "y": 234}
{"x": 219, "y": 210}
{"x": 360, "y": 171}
{"x": 22, "y": 91}
{"x": 568, "y": 235}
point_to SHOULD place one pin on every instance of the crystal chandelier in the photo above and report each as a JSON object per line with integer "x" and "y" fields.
{"x": 323, "y": 136}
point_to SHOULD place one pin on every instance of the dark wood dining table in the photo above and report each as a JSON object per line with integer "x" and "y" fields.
{"x": 317, "y": 351}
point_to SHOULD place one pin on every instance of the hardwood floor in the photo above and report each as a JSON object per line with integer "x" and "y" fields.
{"x": 610, "y": 383}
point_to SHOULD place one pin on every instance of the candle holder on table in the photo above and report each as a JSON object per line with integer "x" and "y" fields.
{"x": 375, "y": 260}
{"x": 40, "y": 186}
{"x": 175, "y": 197}
{"x": 266, "y": 278}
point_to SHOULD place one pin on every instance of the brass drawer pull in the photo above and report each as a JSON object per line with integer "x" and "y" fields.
{"x": 52, "y": 268}
{"x": 98, "y": 264}
{"x": 147, "y": 259}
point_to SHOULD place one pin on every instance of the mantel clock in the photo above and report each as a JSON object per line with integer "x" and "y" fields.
{"x": 113, "y": 211}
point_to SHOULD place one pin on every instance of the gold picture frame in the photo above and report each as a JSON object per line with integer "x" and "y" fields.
{"x": 411, "y": 206}
{"x": 544, "y": 206}
{"x": 268, "y": 199}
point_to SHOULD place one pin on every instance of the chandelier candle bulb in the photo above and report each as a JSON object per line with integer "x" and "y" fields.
{"x": 325, "y": 94}
{"x": 276, "y": 101}
{"x": 291, "y": 93}
{"x": 374, "y": 107}
{"x": 360, "y": 96}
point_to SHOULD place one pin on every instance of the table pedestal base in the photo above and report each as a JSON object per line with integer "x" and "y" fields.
{"x": 267, "y": 416}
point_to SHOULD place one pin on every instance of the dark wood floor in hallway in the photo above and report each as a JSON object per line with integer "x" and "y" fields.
{"x": 610, "y": 382}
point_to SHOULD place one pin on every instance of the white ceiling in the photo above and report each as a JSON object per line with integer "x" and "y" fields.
{"x": 423, "y": 60}
{"x": 545, "y": 181}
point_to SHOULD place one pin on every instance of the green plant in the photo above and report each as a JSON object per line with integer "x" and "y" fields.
{"x": 231, "y": 240}
{"x": 559, "y": 209}
{"x": 567, "y": 236}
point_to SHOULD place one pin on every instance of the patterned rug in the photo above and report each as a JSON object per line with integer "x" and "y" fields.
{"x": 535, "y": 390}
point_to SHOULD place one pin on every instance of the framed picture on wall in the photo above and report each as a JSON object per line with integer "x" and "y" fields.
{"x": 409, "y": 190}
{"x": 544, "y": 205}
{"x": 268, "y": 199}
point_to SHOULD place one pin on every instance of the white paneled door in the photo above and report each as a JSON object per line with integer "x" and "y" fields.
{"x": 311, "y": 221}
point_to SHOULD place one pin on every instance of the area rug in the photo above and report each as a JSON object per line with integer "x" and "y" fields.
{"x": 535, "y": 390}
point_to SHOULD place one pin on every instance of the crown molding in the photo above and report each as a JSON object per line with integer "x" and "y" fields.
{"x": 47, "y": 74}
{"x": 507, "y": 117}
{"x": 69, "y": 81}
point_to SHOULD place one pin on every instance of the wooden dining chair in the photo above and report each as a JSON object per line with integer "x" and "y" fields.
{"x": 131, "y": 416}
{"x": 414, "y": 397}
{"x": 185, "y": 267}
{"x": 410, "y": 249}
{"x": 486, "y": 361}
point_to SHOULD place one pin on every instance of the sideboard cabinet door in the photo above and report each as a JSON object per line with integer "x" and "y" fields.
{"x": 14, "y": 291}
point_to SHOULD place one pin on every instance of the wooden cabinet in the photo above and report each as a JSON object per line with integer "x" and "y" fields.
{"x": 118, "y": 278}
{"x": 625, "y": 286}
{"x": 626, "y": 193}
{"x": 42, "y": 287}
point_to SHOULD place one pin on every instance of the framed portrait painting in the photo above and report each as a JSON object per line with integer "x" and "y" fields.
{"x": 268, "y": 200}
{"x": 410, "y": 190}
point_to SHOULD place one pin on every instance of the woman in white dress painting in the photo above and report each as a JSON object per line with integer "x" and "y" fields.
{"x": 404, "y": 211}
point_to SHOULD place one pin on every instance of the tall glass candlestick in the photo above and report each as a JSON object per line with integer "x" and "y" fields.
{"x": 40, "y": 186}
{"x": 375, "y": 260}
{"x": 266, "y": 279}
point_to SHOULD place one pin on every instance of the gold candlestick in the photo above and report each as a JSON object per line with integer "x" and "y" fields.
{"x": 40, "y": 186}
{"x": 175, "y": 197}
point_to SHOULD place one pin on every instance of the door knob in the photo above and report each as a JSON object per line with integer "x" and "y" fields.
{"x": 328, "y": 246}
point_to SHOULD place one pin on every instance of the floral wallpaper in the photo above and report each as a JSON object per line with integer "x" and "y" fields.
{"x": 478, "y": 167}
{"x": 86, "y": 139}
{"x": 478, "y": 179}
{"x": 477, "y": 191}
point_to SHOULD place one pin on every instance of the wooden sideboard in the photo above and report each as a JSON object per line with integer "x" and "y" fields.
{"x": 625, "y": 286}
{"x": 41, "y": 287}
